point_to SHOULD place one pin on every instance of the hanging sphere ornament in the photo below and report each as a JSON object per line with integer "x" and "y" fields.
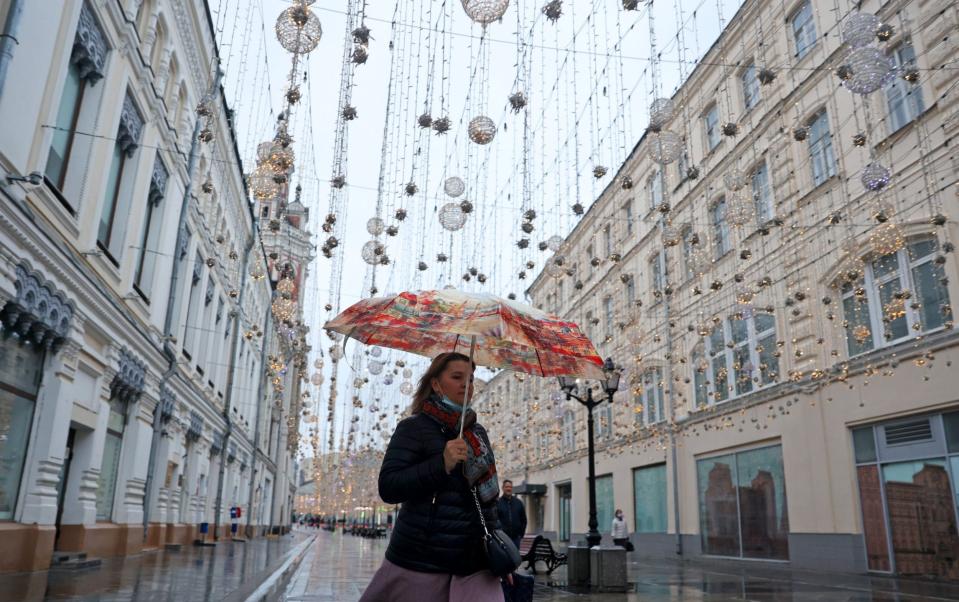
{"x": 871, "y": 70}
{"x": 263, "y": 185}
{"x": 766, "y": 76}
{"x": 517, "y": 101}
{"x": 735, "y": 179}
{"x": 553, "y": 10}
{"x": 554, "y": 243}
{"x": 578, "y": 209}
{"x": 485, "y": 12}
{"x": 554, "y": 266}
{"x": 884, "y": 33}
{"x": 425, "y": 120}
{"x": 452, "y": 217}
{"x": 400, "y": 214}
{"x": 407, "y": 373}
{"x": 730, "y": 128}
{"x": 375, "y": 367}
{"x": 281, "y": 158}
{"x": 739, "y": 208}
{"x": 406, "y": 388}
{"x": 875, "y": 177}
{"x": 375, "y": 226}
{"x": 376, "y": 351}
{"x": 372, "y": 251}
{"x": 482, "y": 130}
{"x": 454, "y": 186}
{"x": 298, "y": 29}
{"x": 671, "y": 235}
{"x": 360, "y": 54}
{"x": 665, "y": 147}
{"x": 661, "y": 112}
{"x": 466, "y": 206}
{"x": 392, "y": 230}
{"x": 411, "y": 188}
{"x": 442, "y": 125}
{"x": 316, "y": 379}
{"x": 859, "y": 29}
{"x": 318, "y": 363}
{"x": 887, "y": 238}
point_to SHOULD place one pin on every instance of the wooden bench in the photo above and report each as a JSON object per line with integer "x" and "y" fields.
{"x": 533, "y": 548}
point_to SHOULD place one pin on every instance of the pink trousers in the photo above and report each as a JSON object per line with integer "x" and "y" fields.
{"x": 396, "y": 584}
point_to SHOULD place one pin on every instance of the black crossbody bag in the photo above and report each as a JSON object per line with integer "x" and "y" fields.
{"x": 502, "y": 555}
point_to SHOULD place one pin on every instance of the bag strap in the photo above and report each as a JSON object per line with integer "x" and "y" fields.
{"x": 479, "y": 510}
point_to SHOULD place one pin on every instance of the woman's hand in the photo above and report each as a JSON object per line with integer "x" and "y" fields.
{"x": 509, "y": 579}
{"x": 454, "y": 453}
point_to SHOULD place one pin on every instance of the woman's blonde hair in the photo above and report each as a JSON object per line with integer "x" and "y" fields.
{"x": 437, "y": 366}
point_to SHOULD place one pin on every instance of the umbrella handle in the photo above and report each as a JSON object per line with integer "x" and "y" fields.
{"x": 469, "y": 387}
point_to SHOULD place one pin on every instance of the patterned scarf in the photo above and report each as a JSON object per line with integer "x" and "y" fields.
{"x": 480, "y": 466}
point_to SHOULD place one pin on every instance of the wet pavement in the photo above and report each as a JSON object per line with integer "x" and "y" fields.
{"x": 228, "y": 572}
{"x": 337, "y": 568}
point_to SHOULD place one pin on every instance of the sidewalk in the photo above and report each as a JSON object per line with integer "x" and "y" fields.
{"x": 228, "y": 572}
{"x": 338, "y": 567}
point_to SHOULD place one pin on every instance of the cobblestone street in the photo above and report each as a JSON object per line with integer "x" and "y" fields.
{"x": 338, "y": 567}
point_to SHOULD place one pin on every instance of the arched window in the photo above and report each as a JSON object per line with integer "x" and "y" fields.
{"x": 173, "y": 74}
{"x": 159, "y": 43}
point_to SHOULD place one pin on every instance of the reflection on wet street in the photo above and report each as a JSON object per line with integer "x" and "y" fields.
{"x": 337, "y": 568}
{"x": 229, "y": 571}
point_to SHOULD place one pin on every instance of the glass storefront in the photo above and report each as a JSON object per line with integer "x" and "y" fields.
{"x": 649, "y": 497}
{"x": 21, "y": 367}
{"x": 742, "y": 504}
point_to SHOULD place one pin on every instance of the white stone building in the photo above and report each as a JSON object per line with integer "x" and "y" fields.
{"x": 138, "y": 396}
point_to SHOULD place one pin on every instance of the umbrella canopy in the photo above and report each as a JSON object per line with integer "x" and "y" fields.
{"x": 504, "y": 334}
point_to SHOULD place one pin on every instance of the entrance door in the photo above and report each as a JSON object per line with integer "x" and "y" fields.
{"x": 565, "y": 496}
{"x": 64, "y": 475}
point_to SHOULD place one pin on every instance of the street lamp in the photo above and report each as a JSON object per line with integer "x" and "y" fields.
{"x": 610, "y": 385}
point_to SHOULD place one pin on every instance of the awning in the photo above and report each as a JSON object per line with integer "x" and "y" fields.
{"x": 529, "y": 489}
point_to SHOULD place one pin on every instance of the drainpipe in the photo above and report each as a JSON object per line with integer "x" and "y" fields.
{"x": 8, "y": 39}
{"x": 168, "y": 349}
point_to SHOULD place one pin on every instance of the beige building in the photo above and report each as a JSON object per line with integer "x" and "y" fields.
{"x": 786, "y": 334}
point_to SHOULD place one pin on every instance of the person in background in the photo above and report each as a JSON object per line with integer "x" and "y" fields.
{"x": 620, "y": 531}
{"x": 511, "y": 513}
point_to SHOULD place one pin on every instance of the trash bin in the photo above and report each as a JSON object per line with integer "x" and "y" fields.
{"x": 577, "y": 564}
{"x": 607, "y": 568}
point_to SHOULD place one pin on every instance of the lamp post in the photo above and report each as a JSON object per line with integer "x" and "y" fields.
{"x": 610, "y": 385}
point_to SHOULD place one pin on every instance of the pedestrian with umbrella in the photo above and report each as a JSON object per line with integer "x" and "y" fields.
{"x": 439, "y": 463}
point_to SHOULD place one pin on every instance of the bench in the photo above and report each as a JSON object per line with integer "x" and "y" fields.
{"x": 533, "y": 548}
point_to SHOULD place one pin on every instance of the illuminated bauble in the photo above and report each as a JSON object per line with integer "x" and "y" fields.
{"x": 555, "y": 267}
{"x": 859, "y": 29}
{"x": 388, "y": 380}
{"x": 735, "y": 179}
{"x": 452, "y": 217}
{"x": 660, "y": 113}
{"x": 554, "y": 243}
{"x": 871, "y": 70}
{"x": 861, "y": 333}
{"x": 358, "y": 383}
{"x": 454, "y": 186}
{"x": 671, "y": 235}
{"x": 262, "y": 184}
{"x": 336, "y": 353}
{"x": 281, "y": 158}
{"x": 316, "y": 379}
{"x": 698, "y": 260}
{"x": 263, "y": 151}
{"x": 285, "y": 285}
{"x": 375, "y": 367}
{"x": 298, "y": 29}
{"x": 482, "y": 129}
{"x": 376, "y": 351}
{"x": 887, "y": 238}
{"x": 318, "y": 363}
{"x": 739, "y": 208}
{"x": 375, "y": 226}
{"x": 406, "y": 388}
{"x": 485, "y": 12}
{"x": 283, "y": 309}
{"x": 665, "y": 146}
{"x": 875, "y": 177}
{"x": 407, "y": 373}
{"x": 372, "y": 251}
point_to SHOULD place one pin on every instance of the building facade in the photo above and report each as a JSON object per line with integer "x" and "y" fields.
{"x": 146, "y": 388}
{"x": 782, "y": 315}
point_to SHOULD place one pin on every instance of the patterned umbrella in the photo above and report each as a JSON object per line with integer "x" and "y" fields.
{"x": 495, "y": 332}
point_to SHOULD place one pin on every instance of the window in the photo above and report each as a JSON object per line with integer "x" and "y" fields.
{"x": 604, "y": 421}
{"x": 569, "y": 431}
{"x": 86, "y": 67}
{"x": 821, "y": 156}
{"x": 110, "y": 465}
{"x": 630, "y": 293}
{"x": 903, "y": 98}
{"x": 116, "y": 203}
{"x": 628, "y": 213}
{"x": 649, "y": 497}
{"x": 608, "y": 315}
{"x": 604, "y": 502}
{"x": 804, "y": 30}
{"x": 21, "y": 368}
{"x": 717, "y": 213}
{"x": 700, "y": 374}
{"x": 750, "y": 85}
{"x": 192, "y": 311}
{"x": 682, "y": 167}
{"x": 653, "y": 410}
{"x": 762, "y": 195}
{"x": 655, "y": 187}
{"x": 902, "y": 293}
{"x": 711, "y": 120}
{"x": 742, "y": 504}
{"x": 657, "y": 281}
{"x": 741, "y": 354}
{"x": 149, "y": 243}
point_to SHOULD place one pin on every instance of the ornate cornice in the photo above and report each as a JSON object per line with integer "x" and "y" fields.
{"x": 128, "y": 384}
{"x": 90, "y": 48}
{"x": 40, "y": 313}
{"x": 131, "y": 126}
{"x": 158, "y": 181}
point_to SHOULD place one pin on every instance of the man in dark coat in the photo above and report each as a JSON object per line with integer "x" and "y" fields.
{"x": 512, "y": 514}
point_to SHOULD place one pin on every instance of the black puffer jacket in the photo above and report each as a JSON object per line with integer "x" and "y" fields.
{"x": 438, "y": 529}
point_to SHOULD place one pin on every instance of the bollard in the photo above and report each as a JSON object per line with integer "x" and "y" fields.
{"x": 577, "y": 564}
{"x": 607, "y": 569}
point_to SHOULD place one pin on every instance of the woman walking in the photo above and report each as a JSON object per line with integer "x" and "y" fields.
{"x": 436, "y": 551}
{"x": 620, "y": 531}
